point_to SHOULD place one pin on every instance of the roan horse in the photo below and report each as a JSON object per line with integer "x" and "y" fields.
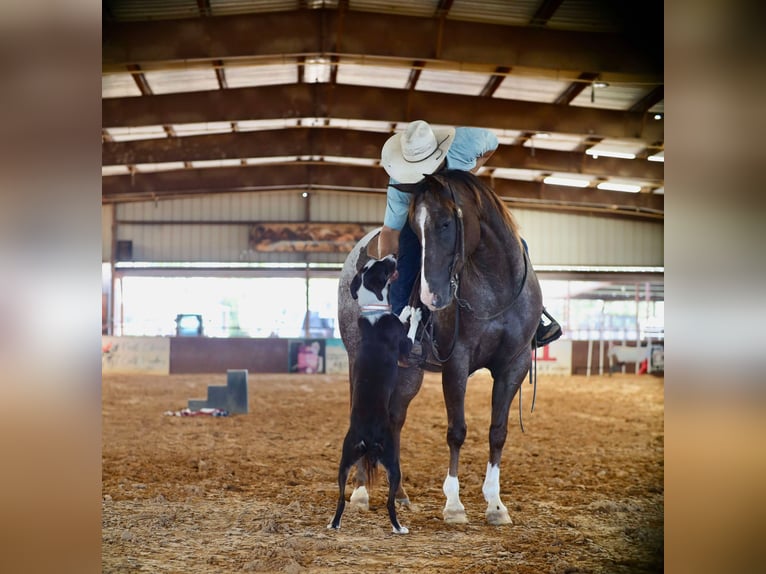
{"x": 485, "y": 304}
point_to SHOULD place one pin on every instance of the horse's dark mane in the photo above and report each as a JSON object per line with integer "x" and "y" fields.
{"x": 488, "y": 203}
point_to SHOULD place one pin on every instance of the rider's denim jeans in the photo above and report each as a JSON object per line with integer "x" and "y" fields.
{"x": 408, "y": 266}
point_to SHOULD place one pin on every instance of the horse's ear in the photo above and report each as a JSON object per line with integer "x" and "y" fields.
{"x": 440, "y": 179}
{"x": 407, "y": 187}
{"x": 356, "y": 283}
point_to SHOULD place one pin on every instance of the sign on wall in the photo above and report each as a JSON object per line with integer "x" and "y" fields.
{"x": 306, "y": 356}
{"x": 135, "y": 355}
{"x": 555, "y": 359}
{"x": 337, "y": 357}
{"x": 305, "y": 237}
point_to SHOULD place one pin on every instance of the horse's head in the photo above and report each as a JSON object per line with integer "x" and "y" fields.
{"x": 447, "y": 227}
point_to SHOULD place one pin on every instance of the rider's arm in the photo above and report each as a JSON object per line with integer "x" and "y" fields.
{"x": 388, "y": 242}
{"x": 397, "y": 208}
{"x": 481, "y": 160}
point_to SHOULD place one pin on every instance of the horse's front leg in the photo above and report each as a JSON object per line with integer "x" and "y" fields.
{"x": 453, "y": 387}
{"x": 504, "y": 386}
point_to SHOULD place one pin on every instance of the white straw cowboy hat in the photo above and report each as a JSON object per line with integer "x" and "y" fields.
{"x": 418, "y": 150}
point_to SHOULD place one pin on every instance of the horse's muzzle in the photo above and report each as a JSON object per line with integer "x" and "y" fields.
{"x": 433, "y": 301}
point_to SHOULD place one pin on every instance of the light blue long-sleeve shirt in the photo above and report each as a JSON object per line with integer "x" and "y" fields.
{"x": 469, "y": 144}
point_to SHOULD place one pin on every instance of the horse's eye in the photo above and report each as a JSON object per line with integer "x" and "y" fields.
{"x": 445, "y": 225}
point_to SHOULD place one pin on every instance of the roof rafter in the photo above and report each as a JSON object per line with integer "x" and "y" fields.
{"x": 372, "y": 103}
{"x": 337, "y": 142}
{"x": 261, "y": 177}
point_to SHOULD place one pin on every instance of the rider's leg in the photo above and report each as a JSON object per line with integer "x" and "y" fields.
{"x": 408, "y": 266}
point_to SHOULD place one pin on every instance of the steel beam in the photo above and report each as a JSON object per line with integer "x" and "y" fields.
{"x": 320, "y": 141}
{"x": 343, "y": 177}
{"x": 372, "y": 103}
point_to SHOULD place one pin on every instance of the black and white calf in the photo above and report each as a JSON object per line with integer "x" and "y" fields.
{"x": 384, "y": 339}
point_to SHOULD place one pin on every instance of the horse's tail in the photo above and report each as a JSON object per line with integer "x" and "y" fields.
{"x": 370, "y": 469}
{"x": 372, "y": 454}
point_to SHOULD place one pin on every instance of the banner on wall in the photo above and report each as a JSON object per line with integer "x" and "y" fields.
{"x": 555, "y": 359}
{"x": 306, "y": 356}
{"x": 337, "y": 357}
{"x": 305, "y": 237}
{"x": 135, "y": 355}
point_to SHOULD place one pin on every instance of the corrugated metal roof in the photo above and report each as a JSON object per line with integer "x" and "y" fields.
{"x": 424, "y": 8}
{"x": 369, "y": 75}
{"x": 118, "y": 86}
{"x": 468, "y": 83}
{"x": 202, "y": 128}
{"x": 531, "y": 89}
{"x": 136, "y": 133}
{"x": 238, "y": 76}
{"x": 519, "y": 12}
{"x": 177, "y": 81}
{"x": 524, "y": 84}
{"x": 612, "y": 97}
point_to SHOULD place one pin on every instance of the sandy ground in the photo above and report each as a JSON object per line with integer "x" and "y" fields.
{"x": 254, "y": 493}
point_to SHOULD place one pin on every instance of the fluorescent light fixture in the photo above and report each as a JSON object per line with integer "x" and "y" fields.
{"x": 608, "y": 153}
{"x": 600, "y": 84}
{"x": 598, "y": 269}
{"x": 657, "y": 116}
{"x": 628, "y": 188}
{"x": 221, "y": 265}
{"x": 569, "y": 182}
{"x": 317, "y": 70}
{"x": 657, "y": 157}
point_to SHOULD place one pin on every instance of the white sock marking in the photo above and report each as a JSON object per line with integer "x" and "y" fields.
{"x": 451, "y": 490}
{"x": 426, "y": 296}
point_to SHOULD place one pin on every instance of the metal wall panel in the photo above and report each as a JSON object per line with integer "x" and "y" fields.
{"x": 107, "y": 212}
{"x": 553, "y": 238}
{"x": 569, "y": 239}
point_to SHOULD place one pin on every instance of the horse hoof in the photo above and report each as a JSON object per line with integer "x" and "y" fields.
{"x": 404, "y": 502}
{"x": 402, "y": 530}
{"x": 455, "y": 517}
{"x": 498, "y": 517}
{"x": 331, "y": 527}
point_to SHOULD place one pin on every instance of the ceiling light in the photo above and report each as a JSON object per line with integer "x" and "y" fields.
{"x": 569, "y": 182}
{"x": 657, "y": 157}
{"x": 541, "y": 135}
{"x": 628, "y": 188}
{"x": 600, "y": 84}
{"x": 657, "y": 116}
{"x": 305, "y": 194}
{"x": 607, "y": 153}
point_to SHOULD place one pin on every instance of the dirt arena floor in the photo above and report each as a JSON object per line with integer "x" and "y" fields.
{"x": 255, "y": 492}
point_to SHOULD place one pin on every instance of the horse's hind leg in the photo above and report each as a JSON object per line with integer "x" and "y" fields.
{"x": 504, "y": 387}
